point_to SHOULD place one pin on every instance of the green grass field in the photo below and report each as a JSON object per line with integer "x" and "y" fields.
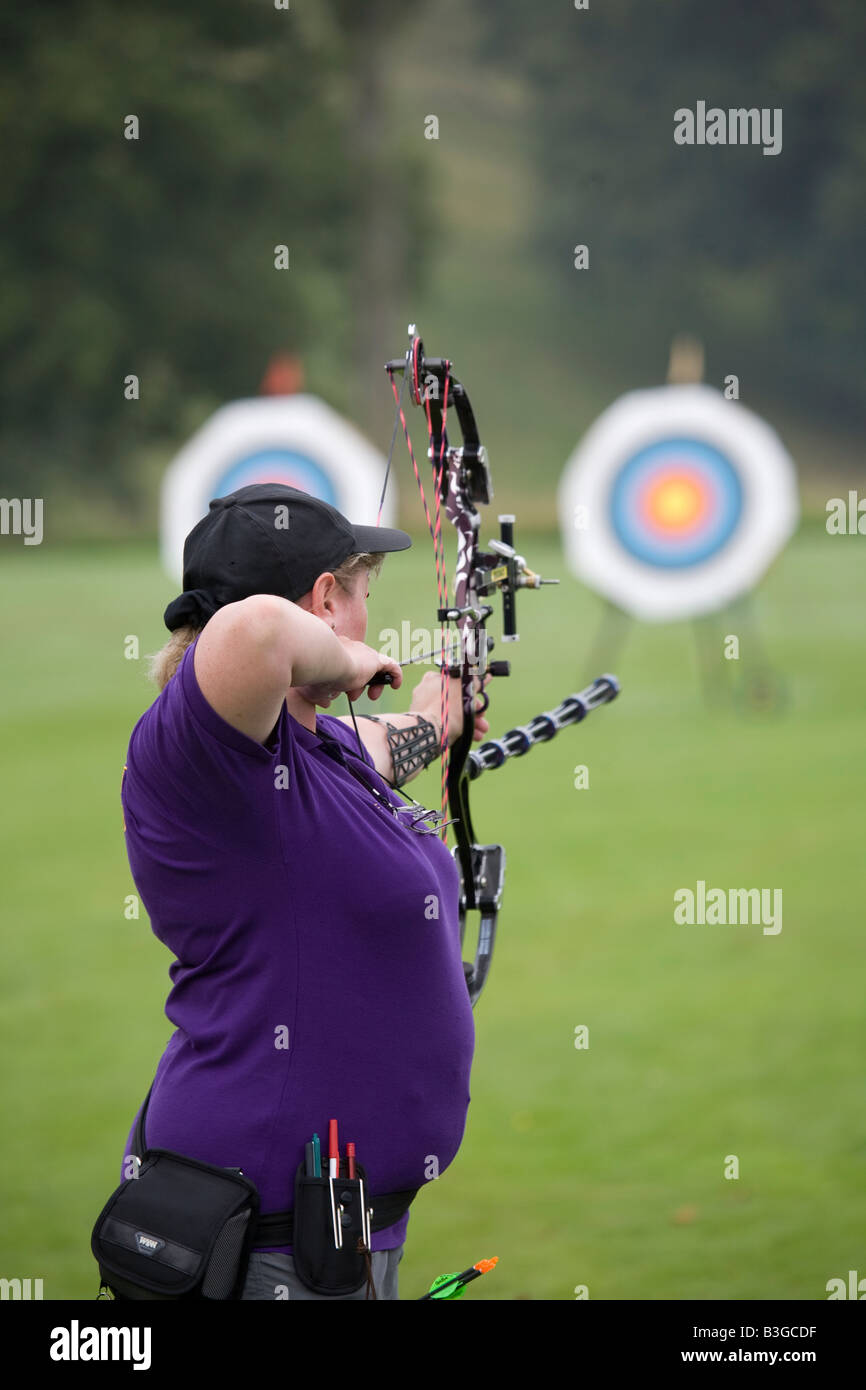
{"x": 601, "y": 1167}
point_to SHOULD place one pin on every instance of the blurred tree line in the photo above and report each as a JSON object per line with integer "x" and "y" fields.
{"x": 261, "y": 126}
{"x": 762, "y": 255}
{"x": 154, "y": 256}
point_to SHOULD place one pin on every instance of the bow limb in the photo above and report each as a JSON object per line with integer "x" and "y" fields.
{"x": 462, "y": 477}
{"x": 482, "y": 867}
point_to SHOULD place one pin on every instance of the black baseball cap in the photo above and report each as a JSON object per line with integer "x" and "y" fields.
{"x": 267, "y": 538}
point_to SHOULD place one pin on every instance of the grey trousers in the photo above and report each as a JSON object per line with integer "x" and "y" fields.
{"x": 272, "y": 1277}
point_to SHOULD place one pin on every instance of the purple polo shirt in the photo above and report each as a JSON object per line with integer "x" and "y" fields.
{"x": 317, "y": 969}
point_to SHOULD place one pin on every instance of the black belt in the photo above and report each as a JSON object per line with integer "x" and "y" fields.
{"x": 275, "y": 1227}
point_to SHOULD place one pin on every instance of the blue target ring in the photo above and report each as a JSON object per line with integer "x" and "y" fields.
{"x": 278, "y": 466}
{"x": 676, "y": 503}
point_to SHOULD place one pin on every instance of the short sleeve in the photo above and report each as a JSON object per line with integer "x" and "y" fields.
{"x": 189, "y": 769}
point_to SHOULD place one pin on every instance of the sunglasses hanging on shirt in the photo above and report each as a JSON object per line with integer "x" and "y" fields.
{"x": 423, "y": 821}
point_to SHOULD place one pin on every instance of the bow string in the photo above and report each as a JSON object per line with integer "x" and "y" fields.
{"x": 460, "y": 476}
{"x": 461, "y": 480}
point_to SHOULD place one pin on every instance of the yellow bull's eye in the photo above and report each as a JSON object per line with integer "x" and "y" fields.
{"x": 676, "y": 503}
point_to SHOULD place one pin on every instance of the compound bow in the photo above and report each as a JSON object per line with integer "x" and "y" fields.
{"x": 461, "y": 478}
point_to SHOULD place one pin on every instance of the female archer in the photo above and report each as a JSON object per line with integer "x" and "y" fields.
{"x": 313, "y": 916}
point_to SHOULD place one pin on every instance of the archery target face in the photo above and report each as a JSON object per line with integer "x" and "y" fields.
{"x": 296, "y": 440}
{"x": 676, "y": 501}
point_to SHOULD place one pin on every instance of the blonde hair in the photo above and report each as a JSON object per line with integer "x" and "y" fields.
{"x": 162, "y": 665}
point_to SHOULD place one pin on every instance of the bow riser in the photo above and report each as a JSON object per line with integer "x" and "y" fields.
{"x": 462, "y": 480}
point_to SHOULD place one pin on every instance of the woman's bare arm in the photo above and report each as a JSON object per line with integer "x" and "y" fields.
{"x": 426, "y": 704}
{"x": 251, "y": 653}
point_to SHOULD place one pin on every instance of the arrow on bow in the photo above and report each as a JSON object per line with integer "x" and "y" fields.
{"x": 461, "y": 480}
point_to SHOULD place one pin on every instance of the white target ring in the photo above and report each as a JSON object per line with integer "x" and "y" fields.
{"x": 296, "y": 440}
{"x": 676, "y": 501}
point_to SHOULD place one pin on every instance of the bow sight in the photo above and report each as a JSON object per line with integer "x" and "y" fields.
{"x": 462, "y": 480}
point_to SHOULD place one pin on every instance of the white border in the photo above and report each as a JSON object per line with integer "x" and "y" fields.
{"x": 642, "y": 418}
{"x": 301, "y": 423}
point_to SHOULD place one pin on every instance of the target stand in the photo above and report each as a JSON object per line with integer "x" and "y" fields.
{"x": 673, "y": 506}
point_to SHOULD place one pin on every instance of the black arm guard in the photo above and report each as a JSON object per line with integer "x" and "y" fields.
{"x": 412, "y": 748}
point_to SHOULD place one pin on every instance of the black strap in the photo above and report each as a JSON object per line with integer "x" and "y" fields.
{"x": 337, "y": 752}
{"x": 275, "y": 1227}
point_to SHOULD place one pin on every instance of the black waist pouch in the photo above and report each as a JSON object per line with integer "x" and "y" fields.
{"x": 185, "y": 1229}
{"x": 180, "y": 1229}
{"x": 331, "y": 1231}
